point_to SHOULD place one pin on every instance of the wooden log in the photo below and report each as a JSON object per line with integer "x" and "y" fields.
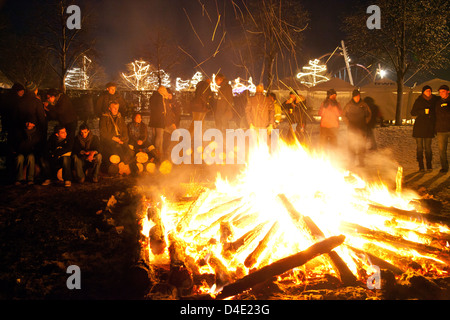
{"x": 345, "y": 275}
{"x": 157, "y": 232}
{"x": 221, "y": 209}
{"x": 394, "y": 240}
{"x": 179, "y": 276}
{"x": 280, "y": 266}
{"x": 243, "y": 241}
{"x": 253, "y": 257}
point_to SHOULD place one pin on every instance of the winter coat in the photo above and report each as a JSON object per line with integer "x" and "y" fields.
{"x": 202, "y": 97}
{"x": 56, "y": 147}
{"x": 225, "y": 101}
{"x": 137, "y": 132}
{"x": 295, "y": 112}
{"x": 26, "y": 141}
{"x": 8, "y": 108}
{"x": 260, "y": 111}
{"x": 30, "y": 109}
{"x": 65, "y": 111}
{"x": 443, "y": 115}
{"x": 91, "y": 143}
{"x": 158, "y": 111}
{"x": 102, "y": 104}
{"x": 330, "y": 111}
{"x": 424, "y": 126}
{"x": 357, "y": 115}
{"x": 113, "y": 127}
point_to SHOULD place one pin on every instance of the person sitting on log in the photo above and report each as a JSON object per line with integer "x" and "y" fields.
{"x": 59, "y": 152}
{"x": 114, "y": 135}
{"x": 25, "y": 142}
{"x": 86, "y": 153}
{"x": 138, "y": 134}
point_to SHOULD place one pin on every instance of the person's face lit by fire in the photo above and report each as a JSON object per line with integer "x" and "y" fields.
{"x": 333, "y": 96}
{"x": 357, "y": 98}
{"x": 111, "y": 90}
{"x": 138, "y": 118}
{"x": 219, "y": 81}
{"x": 20, "y": 93}
{"x": 427, "y": 93}
{"x": 444, "y": 93}
{"x": 29, "y": 125}
{"x": 62, "y": 134}
{"x": 51, "y": 99}
{"x": 114, "y": 108}
{"x": 84, "y": 133}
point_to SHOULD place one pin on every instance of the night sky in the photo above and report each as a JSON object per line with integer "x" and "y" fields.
{"x": 123, "y": 29}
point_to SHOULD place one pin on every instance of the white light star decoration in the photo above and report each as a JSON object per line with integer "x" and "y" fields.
{"x": 139, "y": 72}
{"x": 239, "y": 86}
{"x": 313, "y": 76}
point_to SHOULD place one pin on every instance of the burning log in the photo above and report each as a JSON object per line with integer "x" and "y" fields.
{"x": 179, "y": 275}
{"x": 394, "y": 240}
{"x": 156, "y": 234}
{"x": 223, "y": 208}
{"x": 408, "y": 215}
{"x": 246, "y": 239}
{"x": 346, "y": 276}
{"x": 280, "y": 266}
{"x": 222, "y": 275}
{"x": 253, "y": 257}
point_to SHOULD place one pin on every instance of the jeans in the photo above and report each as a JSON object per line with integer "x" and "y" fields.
{"x": 29, "y": 162}
{"x": 424, "y": 144}
{"x": 328, "y": 137}
{"x": 443, "y": 138}
{"x": 81, "y": 164}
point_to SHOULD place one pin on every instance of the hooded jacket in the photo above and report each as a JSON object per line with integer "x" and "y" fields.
{"x": 443, "y": 115}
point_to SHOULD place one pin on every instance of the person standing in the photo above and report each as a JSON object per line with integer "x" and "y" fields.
{"x": 260, "y": 111}
{"x": 31, "y": 107}
{"x": 424, "y": 126}
{"x": 111, "y": 94}
{"x": 61, "y": 106}
{"x": 443, "y": 125}
{"x": 376, "y": 116}
{"x": 330, "y": 111}
{"x": 356, "y": 115}
{"x": 158, "y": 113}
{"x": 295, "y": 111}
{"x": 225, "y": 103}
{"x": 200, "y": 105}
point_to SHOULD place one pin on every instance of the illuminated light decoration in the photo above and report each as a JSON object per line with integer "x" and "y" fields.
{"x": 313, "y": 74}
{"x": 182, "y": 85}
{"x": 239, "y": 87}
{"x": 139, "y": 72}
{"x": 214, "y": 86}
{"x": 77, "y": 78}
{"x": 153, "y": 80}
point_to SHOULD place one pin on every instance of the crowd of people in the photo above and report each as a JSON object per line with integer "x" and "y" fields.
{"x": 73, "y": 152}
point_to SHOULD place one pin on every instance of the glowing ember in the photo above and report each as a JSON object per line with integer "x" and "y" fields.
{"x": 284, "y": 202}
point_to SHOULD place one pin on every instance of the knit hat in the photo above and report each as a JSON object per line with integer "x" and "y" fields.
{"x": 331, "y": 92}
{"x": 17, "y": 87}
{"x": 426, "y": 88}
{"x": 356, "y": 93}
{"x": 30, "y": 86}
{"x": 111, "y": 84}
{"x": 444, "y": 87}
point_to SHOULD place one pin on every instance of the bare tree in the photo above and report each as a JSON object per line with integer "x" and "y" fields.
{"x": 275, "y": 29}
{"x": 414, "y": 36}
{"x": 66, "y": 46}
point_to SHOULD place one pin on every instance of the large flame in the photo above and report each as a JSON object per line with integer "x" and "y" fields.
{"x": 225, "y": 225}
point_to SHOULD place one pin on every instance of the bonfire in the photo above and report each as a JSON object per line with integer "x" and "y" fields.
{"x": 291, "y": 215}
